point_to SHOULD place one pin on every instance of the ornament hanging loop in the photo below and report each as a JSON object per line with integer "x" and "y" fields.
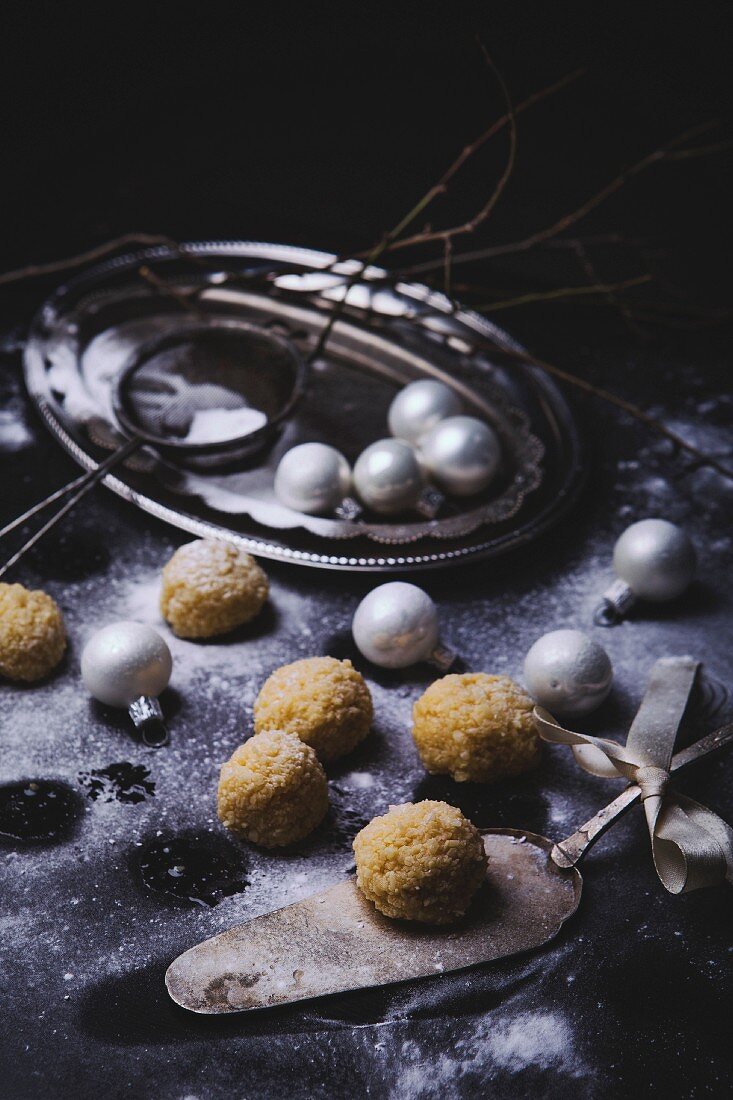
{"x": 442, "y": 658}
{"x": 616, "y": 602}
{"x": 147, "y": 718}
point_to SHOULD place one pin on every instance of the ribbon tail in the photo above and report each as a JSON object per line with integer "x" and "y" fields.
{"x": 692, "y": 846}
{"x": 596, "y": 755}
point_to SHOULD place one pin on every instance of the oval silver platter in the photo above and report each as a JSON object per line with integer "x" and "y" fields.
{"x": 386, "y": 336}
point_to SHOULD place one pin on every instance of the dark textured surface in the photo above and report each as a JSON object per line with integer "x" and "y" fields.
{"x": 634, "y": 997}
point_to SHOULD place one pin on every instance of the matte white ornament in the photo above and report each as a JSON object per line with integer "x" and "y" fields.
{"x": 396, "y": 625}
{"x": 312, "y": 478}
{"x": 127, "y": 664}
{"x": 420, "y": 406}
{"x": 654, "y": 560}
{"x": 567, "y": 672}
{"x": 388, "y": 476}
{"x": 462, "y": 454}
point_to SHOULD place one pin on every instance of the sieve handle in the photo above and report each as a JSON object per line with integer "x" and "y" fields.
{"x": 74, "y": 491}
{"x": 569, "y": 852}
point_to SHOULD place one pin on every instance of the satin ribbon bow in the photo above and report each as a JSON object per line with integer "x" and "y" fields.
{"x": 692, "y": 847}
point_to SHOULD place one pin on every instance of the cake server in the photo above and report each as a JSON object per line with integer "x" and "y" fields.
{"x": 335, "y": 941}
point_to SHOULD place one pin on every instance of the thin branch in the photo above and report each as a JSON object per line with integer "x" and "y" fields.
{"x": 447, "y": 266}
{"x": 564, "y": 292}
{"x": 167, "y": 291}
{"x": 702, "y": 150}
{"x": 626, "y": 406}
{"x": 440, "y": 188}
{"x": 574, "y": 216}
{"x": 589, "y": 269}
{"x": 37, "y": 271}
{"x": 483, "y": 214}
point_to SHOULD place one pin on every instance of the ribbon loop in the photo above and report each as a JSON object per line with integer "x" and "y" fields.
{"x": 691, "y": 846}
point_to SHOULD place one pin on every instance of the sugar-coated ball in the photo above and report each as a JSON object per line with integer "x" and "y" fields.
{"x": 325, "y": 702}
{"x": 32, "y": 633}
{"x": 210, "y": 587}
{"x": 475, "y": 727}
{"x": 421, "y": 861}
{"x": 273, "y": 791}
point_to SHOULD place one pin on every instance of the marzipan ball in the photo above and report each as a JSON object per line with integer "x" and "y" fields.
{"x": 211, "y": 587}
{"x": 421, "y": 861}
{"x": 475, "y": 727}
{"x": 272, "y": 791}
{"x": 325, "y": 702}
{"x": 32, "y": 634}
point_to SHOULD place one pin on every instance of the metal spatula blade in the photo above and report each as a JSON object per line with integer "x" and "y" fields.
{"x": 336, "y": 941}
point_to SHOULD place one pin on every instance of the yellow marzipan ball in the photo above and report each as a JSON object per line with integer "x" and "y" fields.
{"x": 421, "y": 861}
{"x": 211, "y": 587}
{"x": 32, "y": 633}
{"x": 475, "y": 727}
{"x": 324, "y": 701}
{"x": 273, "y": 791}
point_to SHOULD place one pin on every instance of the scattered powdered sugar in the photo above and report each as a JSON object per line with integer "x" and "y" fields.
{"x": 534, "y": 1039}
{"x": 487, "y": 1049}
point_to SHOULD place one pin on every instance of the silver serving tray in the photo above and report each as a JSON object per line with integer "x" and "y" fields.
{"x": 385, "y": 337}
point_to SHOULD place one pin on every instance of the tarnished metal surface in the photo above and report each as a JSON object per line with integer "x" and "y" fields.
{"x": 385, "y": 338}
{"x": 336, "y": 941}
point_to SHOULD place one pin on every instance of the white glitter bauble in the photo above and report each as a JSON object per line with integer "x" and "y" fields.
{"x": 396, "y": 625}
{"x": 123, "y": 662}
{"x": 312, "y": 478}
{"x": 655, "y": 558}
{"x": 420, "y": 406}
{"x": 388, "y": 476}
{"x": 567, "y": 672}
{"x": 462, "y": 454}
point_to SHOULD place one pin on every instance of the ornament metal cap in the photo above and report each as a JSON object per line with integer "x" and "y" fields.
{"x": 148, "y": 718}
{"x": 653, "y": 560}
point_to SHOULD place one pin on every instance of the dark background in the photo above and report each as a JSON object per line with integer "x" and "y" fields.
{"x": 319, "y": 125}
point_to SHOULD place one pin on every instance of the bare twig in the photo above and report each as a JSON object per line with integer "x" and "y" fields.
{"x": 483, "y": 214}
{"x": 167, "y": 291}
{"x": 626, "y": 406}
{"x": 37, "y": 271}
{"x": 574, "y": 216}
{"x": 563, "y": 292}
{"x": 588, "y": 267}
{"x": 440, "y": 188}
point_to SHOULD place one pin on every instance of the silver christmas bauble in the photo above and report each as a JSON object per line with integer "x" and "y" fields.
{"x": 420, "y": 406}
{"x": 396, "y": 625}
{"x": 655, "y": 558}
{"x": 567, "y": 672}
{"x": 124, "y": 661}
{"x": 462, "y": 454}
{"x": 388, "y": 476}
{"x": 312, "y": 478}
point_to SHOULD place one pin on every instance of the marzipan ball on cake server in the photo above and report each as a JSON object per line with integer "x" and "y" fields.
{"x": 32, "y": 633}
{"x": 325, "y": 702}
{"x": 211, "y": 587}
{"x": 421, "y": 861}
{"x": 273, "y": 791}
{"x": 475, "y": 727}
